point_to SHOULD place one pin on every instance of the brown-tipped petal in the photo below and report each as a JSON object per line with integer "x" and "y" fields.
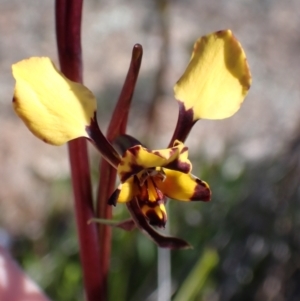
{"x": 155, "y": 213}
{"x": 184, "y": 187}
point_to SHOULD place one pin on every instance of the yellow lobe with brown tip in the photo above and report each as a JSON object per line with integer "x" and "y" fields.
{"x": 54, "y": 108}
{"x": 217, "y": 78}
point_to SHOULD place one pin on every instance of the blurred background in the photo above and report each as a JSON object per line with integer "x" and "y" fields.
{"x": 247, "y": 239}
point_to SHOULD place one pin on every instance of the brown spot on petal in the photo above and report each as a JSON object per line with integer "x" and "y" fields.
{"x": 201, "y": 192}
{"x": 154, "y": 219}
{"x": 46, "y": 141}
{"x": 149, "y": 203}
{"x": 134, "y": 169}
{"x": 221, "y": 33}
{"x": 134, "y": 150}
{"x": 179, "y": 166}
{"x": 114, "y": 197}
{"x": 171, "y": 152}
{"x": 142, "y": 223}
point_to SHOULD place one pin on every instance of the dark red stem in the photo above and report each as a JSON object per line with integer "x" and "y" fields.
{"x": 108, "y": 173}
{"x": 184, "y": 124}
{"x": 119, "y": 118}
{"x": 68, "y": 24}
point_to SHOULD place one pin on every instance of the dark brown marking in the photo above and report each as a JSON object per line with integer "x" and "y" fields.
{"x": 114, "y": 197}
{"x": 201, "y": 192}
{"x": 154, "y": 220}
{"x": 200, "y": 182}
{"x": 142, "y": 223}
{"x": 179, "y": 166}
{"x": 134, "y": 169}
{"x": 221, "y": 33}
{"x": 134, "y": 150}
{"x": 184, "y": 125}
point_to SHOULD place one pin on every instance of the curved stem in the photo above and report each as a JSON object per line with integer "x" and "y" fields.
{"x": 184, "y": 124}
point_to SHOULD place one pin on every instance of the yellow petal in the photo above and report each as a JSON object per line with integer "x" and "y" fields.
{"x": 138, "y": 158}
{"x": 54, "y": 108}
{"x": 217, "y": 78}
{"x": 128, "y": 191}
{"x": 183, "y": 187}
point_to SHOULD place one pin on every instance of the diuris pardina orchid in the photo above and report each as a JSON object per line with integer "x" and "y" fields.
{"x": 58, "y": 110}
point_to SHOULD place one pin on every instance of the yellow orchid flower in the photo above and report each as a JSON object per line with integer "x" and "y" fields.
{"x": 58, "y": 110}
{"x": 217, "y": 78}
{"x": 152, "y": 176}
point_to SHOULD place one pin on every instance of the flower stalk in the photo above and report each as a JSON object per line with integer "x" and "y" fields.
{"x": 108, "y": 173}
{"x": 68, "y": 24}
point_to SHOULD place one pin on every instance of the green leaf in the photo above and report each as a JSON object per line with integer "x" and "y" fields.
{"x": 195, "y": 281}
